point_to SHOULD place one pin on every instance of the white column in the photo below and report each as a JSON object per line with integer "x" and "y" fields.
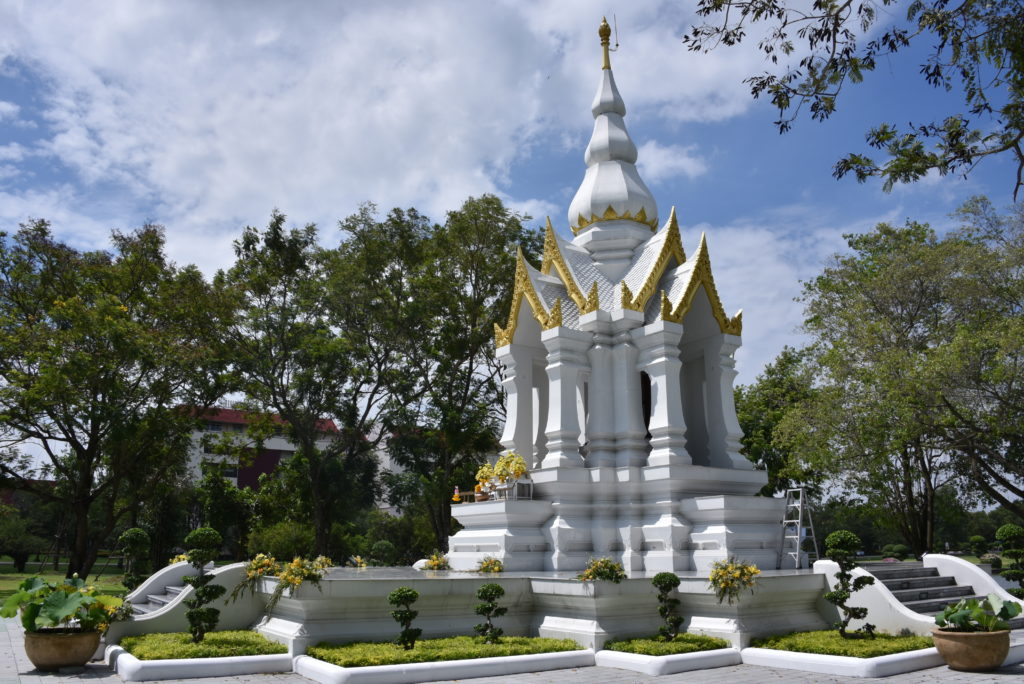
{"x": 600, "y": 419}
{"x": 659, "y": 358}
{"x": 540, "y": 409}
{"x": 630, "y": 432}
{"x": 518, "y": 384}
{"x": 567, "y": 357}
{"x": 724, "y": 433}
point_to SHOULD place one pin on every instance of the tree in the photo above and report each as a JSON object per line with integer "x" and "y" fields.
{"x": 783, "y": 384}
{"x": 874, "y": 316}
{"x": 974, "y": 47}
{"x": 293, "y": 358}
{"x": 917, "y": 358}
{"x": 15, "y": 538}
{"x": 450, "y": 419}
{"x": 97, "y": 352}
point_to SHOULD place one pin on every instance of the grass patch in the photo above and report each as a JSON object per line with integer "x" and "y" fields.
{"x": 830, "y": 643}
{"x": 683, "y": 643}
{"x": 432, "y": 650}
{"x": 9, "y": 580}
{"x": 215, "y": 645}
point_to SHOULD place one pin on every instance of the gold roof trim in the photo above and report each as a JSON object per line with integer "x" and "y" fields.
{"x": 553, "y": 257}
{"x": 611, "y": 215}
{"x": 671, "y": 246}
{"x": 701, "y": 275}
{"x": 524, "y": 288}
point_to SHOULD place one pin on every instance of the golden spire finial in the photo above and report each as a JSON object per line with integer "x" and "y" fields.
{"x": 605, "y": 31}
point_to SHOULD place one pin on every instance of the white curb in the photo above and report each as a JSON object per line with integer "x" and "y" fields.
{"x": 879, "y": 666}
{"x": 131, "y": 669}
{"x": 669, "y": 664}
{"x": 326, "y": 673}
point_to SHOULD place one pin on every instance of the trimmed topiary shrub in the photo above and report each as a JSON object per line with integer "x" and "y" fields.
{"x": 841, "y": 546}
{"x": 1012, "y": 538}
{"x": 283, "y": 540}
{"x": 203, "y": 547}
{"x": 665, "y": 582}
{"x": 402, "y": 598}
{"x": 384, "y": 552}
{"x": 487, "y": 609}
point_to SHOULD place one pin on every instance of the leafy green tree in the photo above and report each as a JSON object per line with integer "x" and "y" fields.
{"x": 294, "y": 359}
{"x": 974, "y": 47}
{"x": 402, "y": 599}
{"x": 783, "y": 384}
{"x": 97, "y": 352}
{"x": 841, "y": 546}
{"x": 450, "y": 419}
{"x": 488, "y": 609}
{"x": 15, "y": 538}
{"x": 895, "y": 331}
{"x": 134, "y": 544}
{"x": 226, "y": 507}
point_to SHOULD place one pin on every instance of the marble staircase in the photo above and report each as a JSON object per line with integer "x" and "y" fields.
{"x": 923, "y": 590}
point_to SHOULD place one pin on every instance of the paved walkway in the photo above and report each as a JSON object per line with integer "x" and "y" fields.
{"x": 16, "y": 669}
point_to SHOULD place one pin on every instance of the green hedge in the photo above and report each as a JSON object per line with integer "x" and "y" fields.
{"x": 828, "y": 642}
{"x": 215, "y": 645}
{"x": 683, "y": 643}
{"x": 432, "y": 650}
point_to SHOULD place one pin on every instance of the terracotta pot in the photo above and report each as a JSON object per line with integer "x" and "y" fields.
{"x": 972, "y": 651}
{"x": 54, "y": 649}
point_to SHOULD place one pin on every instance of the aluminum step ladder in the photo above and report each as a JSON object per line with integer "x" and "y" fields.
{"x": 797, "y": 530}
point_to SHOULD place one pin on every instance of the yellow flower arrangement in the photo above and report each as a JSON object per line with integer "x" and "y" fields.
{"x": 180, "y": 558}
{"x": 730, "y": 577}
{"x": 510, "y": 466}
{"x": 485, "y": 474}
{"x": 490, "y": 564}
{"x": 289, "y": 576}
{"x": 437, "y": 561}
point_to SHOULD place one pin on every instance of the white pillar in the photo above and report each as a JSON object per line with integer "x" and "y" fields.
{"x": 724, "y": 433}
{"x": 630, "y": 432}
{"x": 518, "y": 383}
{"x": 567, "y": 357}
{"x": 659, "y": 358}
{"x": 540, "y": 410}
{"x": 600, "y": 416}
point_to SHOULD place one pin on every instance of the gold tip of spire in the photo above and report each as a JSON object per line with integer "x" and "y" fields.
{"x": 605, "y": 32}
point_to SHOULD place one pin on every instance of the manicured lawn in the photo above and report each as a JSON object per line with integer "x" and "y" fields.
{"x": 683, "y": 643}
{"x": 432, "y": 650}
{"x": 830, "y": 643}
{"x": 9, "y": 579}
{"x": 215, "y": 645}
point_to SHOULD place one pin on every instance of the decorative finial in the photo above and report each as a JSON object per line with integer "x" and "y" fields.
{"x": 605, "y": 31}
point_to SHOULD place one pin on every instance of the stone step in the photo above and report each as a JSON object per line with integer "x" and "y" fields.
{"x": 901, "y": 573}
{"x": 918, "y": 582}
{"x": 160, "y": 599}
{"x": 142, "y": 608}
{"x": 174, "y": 589}
{"x": 948, "y": 593}
{"x": 931, "y": 606}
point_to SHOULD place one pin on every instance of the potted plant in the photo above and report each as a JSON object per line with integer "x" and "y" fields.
{"x": 974, "y": 636}
{"x": 63, "y": 620}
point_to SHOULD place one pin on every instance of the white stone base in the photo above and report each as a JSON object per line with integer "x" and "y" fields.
{"x": 131, "y": 669}
{"x": 670, "y": 664}
{"x": 326, "y": 673}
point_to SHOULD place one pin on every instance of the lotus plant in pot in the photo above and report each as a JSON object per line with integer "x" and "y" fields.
{"x": 63, "y": 620}
{"x": 973, "y": 635}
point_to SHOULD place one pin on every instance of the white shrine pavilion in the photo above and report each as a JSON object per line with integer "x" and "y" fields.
{"x": 619, "y": 362}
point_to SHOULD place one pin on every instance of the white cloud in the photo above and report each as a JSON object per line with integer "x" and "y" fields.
{"x": 759, "y": 264}
{"x": 8, "y": 110}
{"x": 659, "y": 163}
{"x": 211, "y": 114}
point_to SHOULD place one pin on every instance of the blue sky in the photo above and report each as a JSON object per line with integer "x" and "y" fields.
{"x": 205, "y": 116}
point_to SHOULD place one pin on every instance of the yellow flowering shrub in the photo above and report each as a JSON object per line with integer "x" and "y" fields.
{"x": 289, "y": 576}
{"x": 730, "y": 577}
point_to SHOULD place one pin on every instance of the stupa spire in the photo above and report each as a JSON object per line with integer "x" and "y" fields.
{"x": 612, "y": 188}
